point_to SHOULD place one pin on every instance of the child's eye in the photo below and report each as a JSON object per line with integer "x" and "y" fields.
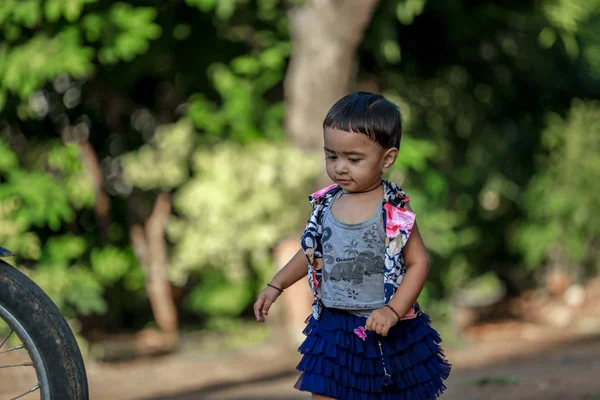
{"x": 354, "y": 160}
{"x": 331, "y": 157}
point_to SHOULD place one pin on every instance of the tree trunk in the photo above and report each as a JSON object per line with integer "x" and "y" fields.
{"x": 151, "y": 250}
{"x": 89, "y": 160}
{"x": 325, "y": 36}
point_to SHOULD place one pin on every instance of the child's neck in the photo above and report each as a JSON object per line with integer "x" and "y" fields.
{"x": 372, "y": 189}
{"x": 356, "y": 207}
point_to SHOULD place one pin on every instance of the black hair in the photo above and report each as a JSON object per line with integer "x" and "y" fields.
{"x": 370, "y": 114}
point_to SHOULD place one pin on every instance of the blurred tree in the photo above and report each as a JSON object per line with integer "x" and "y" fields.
{"x": 51, "y": 51}
{"x": 29, "y": 200}
{"x": 475, "y": 81}
{"x": 322, "y": 64}
{"x": 561, "y": 202}
{"x": 111, "y": 80}
{"x": 113, "y": 113}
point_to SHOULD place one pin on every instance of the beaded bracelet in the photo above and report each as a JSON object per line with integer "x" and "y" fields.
{"x": 394, "y": 311}
{"x": 275, "y": 287}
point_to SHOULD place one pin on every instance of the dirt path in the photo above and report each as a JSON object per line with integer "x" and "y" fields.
{"x": 565, "y": 368}
{"x": 568, "y": 373}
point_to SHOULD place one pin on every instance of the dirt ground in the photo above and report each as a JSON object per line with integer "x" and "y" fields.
{"x": 571, "y": 372}
{"x": 510, "y": 360}
{"x": 561, "y": 366}
{"x": 555, "y": 355}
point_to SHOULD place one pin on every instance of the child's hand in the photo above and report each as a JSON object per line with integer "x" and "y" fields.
{"x": 264, "y": 301}
{"x": 381, "y": 321}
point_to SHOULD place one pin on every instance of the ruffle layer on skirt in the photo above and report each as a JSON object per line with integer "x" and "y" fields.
{"x": 337, "y": 363}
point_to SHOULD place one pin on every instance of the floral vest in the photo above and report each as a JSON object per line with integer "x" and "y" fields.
{"x": 398, "y": 223}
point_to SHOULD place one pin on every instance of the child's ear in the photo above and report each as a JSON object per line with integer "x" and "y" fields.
{"x": 389, "y": 157}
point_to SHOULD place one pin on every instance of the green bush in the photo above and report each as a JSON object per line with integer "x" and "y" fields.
{"x": 563, "y": 198}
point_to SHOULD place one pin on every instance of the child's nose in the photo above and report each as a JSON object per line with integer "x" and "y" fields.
{"x": 341, "y": 167}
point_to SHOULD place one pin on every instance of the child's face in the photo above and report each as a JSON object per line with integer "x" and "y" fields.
{"x": 354, "y": 161}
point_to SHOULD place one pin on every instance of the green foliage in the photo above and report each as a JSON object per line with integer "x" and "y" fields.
{"x": 31, "y": 202}
{"x": 27, "y": 67}
{"x": 170, "y": 148}
{"x": 563, "y": 197}
{"x": 407, "y": 10}
{"x": 119, "y": 32}
{"x": 223, "y": 227}
{"x": 196, "y": 110}
{"x": 78, "y": 289}
{"x": 237, "y": 221}
{"x": 8, "y": 158}
{"x": 243, "y": 113}
{"x": 64, "y": 160}
{"x": 83, "y": 46}
{"x": 124, "y": 31}
{"x": 31, "y": 12}
{"x": 70, "y": 9}
{"x": 242, "y": 116}
{"x": 576, "y": 24}
{"x": 219, "y": 296}
{"x": 111, "y": 264}
{"x": 482, "y": 127}
{"x": 567, "y": 15}
{"x": 29, "y": 199}
{"x": 223, "y": 9}
{"x": 71, "y": 285}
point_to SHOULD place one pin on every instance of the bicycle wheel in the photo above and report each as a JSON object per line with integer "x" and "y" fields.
{"x": 38, "y": 323}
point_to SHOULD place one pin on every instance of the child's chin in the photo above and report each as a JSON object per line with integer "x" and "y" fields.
{"x": 345, "y": 184}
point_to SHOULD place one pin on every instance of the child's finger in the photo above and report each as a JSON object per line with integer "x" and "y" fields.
{"x": 378, "y": 328}
{"x": 369, "y": 322}
{"x": 266, "y": 306}
{"x": 258, "y": 305}
{"x": 384, "y": 331}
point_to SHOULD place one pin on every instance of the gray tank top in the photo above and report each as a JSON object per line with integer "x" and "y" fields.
{"x": 353, "y": 264}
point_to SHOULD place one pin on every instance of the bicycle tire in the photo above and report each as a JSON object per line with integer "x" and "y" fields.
{"x": 49, "y": 331}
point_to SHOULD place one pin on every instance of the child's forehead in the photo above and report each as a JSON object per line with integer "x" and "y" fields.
{"x": 343, "y": 141}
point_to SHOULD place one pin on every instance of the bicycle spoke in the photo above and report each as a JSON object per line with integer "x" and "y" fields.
{"x": 19, "y": 347}
{"x": 6, "y": 338}
{"x": 27, "y": 364}
{"x": 33, "y": 389}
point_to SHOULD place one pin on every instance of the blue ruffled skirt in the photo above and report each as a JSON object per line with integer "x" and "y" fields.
{"x": 407, "y": 364}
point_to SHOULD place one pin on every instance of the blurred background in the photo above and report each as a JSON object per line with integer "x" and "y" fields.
{"x": 156, "y": 157}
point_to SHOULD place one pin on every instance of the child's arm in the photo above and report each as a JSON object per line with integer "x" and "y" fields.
{"x": 417, "y": 269}
{"x": 291, "y": 273}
